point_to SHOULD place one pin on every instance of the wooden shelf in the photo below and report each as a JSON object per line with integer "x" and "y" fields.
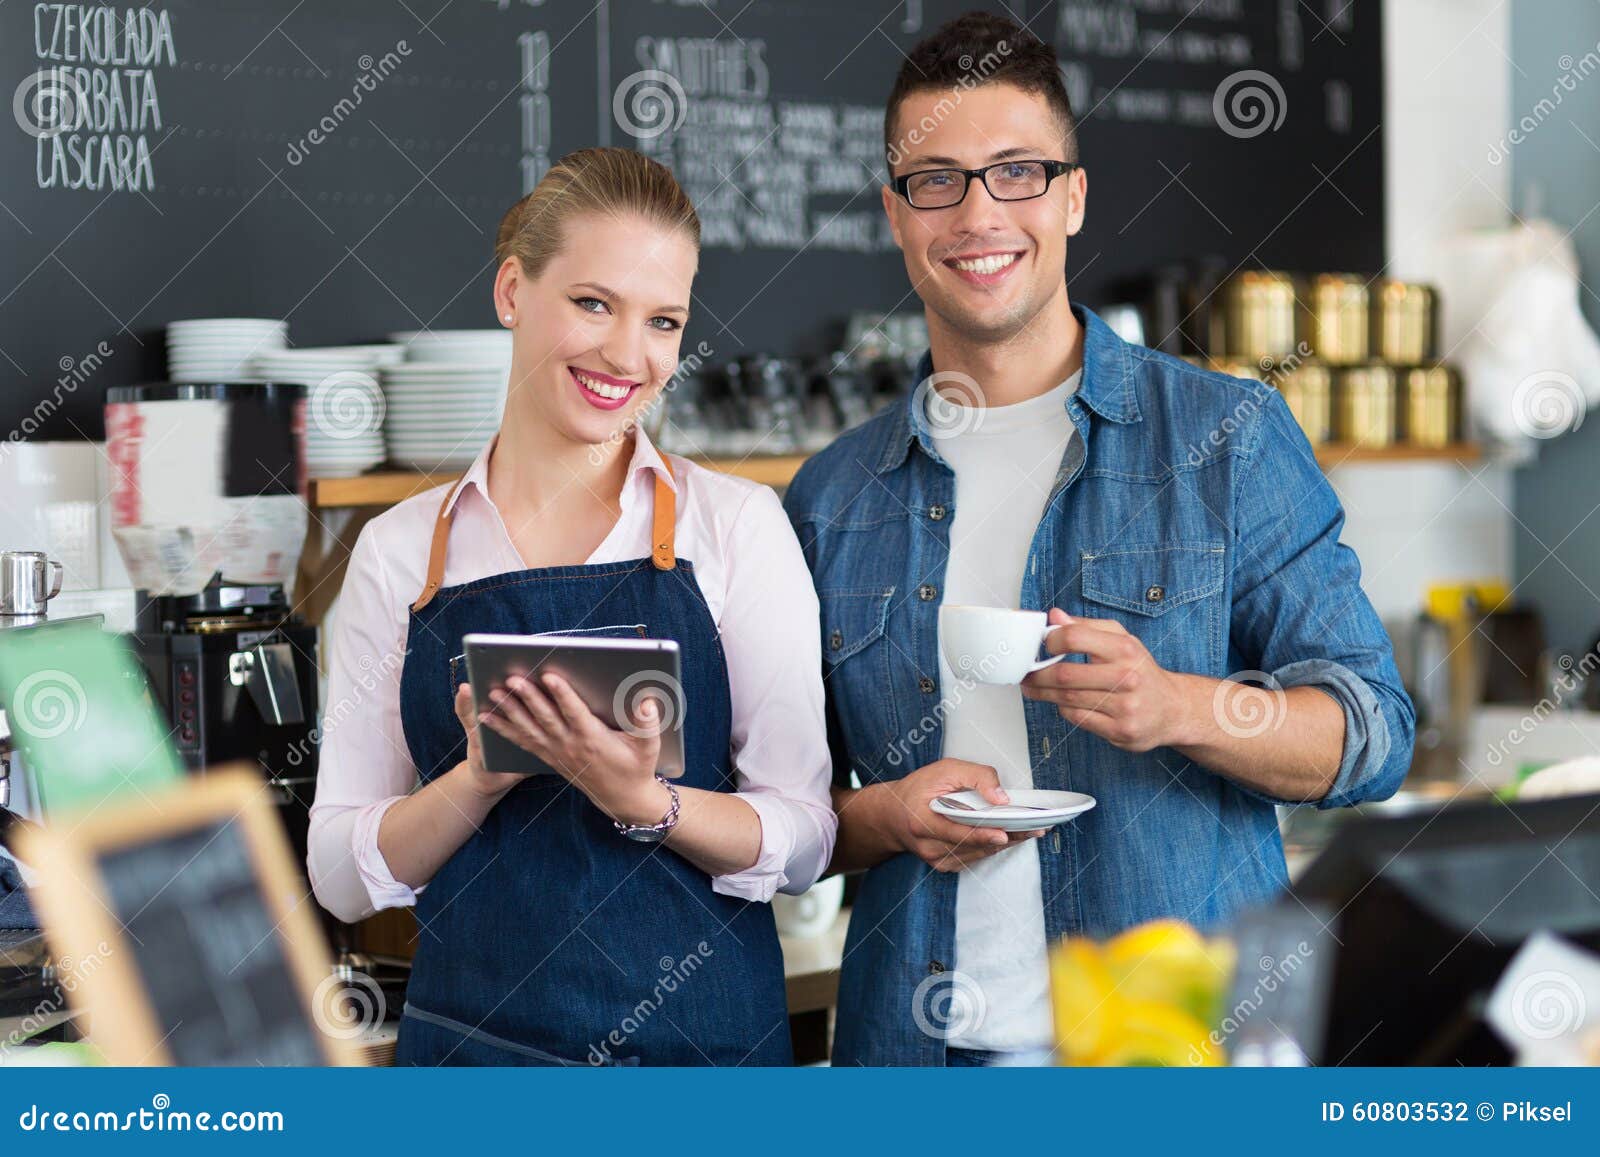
{"x": 385, "y": 488}
{"x": 1331, "y": 454}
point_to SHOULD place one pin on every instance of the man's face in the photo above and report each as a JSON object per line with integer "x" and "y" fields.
{"x": 984, "y": 267}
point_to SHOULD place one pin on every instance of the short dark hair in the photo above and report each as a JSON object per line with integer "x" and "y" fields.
{"x": 977, "y": 49}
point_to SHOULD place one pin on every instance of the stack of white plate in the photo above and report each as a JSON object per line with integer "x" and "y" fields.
{"x": 218, "y": 349}
{"x": 344, "y": 403}
{"x": 442, "y": 413}
{"x": 455, "y": 345}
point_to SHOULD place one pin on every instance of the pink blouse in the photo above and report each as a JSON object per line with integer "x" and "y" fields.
{"x": 756, "y": 584}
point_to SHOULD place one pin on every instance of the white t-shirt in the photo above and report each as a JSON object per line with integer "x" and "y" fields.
{"x": 1005, "y": 460}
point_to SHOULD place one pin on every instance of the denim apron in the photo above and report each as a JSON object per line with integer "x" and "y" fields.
{"x": 549, "y": 938}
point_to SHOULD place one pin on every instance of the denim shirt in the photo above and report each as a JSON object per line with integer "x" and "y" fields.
{"x": 1190, "y": 509}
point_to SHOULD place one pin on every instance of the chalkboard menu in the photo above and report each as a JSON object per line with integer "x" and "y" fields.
{"x": 1248, "y": 131}
{"x": 216, "y": 974}
{"x": 344, "y": 165}
{"x": 179, "y": 924}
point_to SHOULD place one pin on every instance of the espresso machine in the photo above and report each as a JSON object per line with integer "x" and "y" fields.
{"x": 235, "y": 672}
{"x": 209, "y": 511}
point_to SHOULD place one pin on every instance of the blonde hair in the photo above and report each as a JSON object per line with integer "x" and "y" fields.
{"x": 612, "y": 181}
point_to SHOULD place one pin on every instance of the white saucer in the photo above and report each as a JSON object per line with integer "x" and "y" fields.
{"x": 1062, "y": 805}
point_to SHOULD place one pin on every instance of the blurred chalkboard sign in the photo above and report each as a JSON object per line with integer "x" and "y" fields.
{"x": 344, "y": 165}
{"x": 182, "y": 928}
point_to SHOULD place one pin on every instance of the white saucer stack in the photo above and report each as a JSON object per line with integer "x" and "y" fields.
{"x": 442, "y": 413}
{"x": 345, "y": 404}
{"x": 218, "y": 349}
{"x": 446, "y": 398}
{"x": 455, "y": 345}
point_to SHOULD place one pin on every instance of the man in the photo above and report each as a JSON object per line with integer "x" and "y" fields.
{"x": 1173, "y": 522}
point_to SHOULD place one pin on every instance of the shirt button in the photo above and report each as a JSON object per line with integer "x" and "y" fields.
{"x": 927, "y": 685}
{"x": 936, "y": 512}
{"x": 1155, "y": 594}
{"x": 836, "y": 640}
{"x": 935, "y": 967}
{"x": 927, "y": 592}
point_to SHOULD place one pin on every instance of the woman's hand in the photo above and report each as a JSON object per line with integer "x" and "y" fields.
{"x": 489, "y": 784}
{"x": 616, "y": 769}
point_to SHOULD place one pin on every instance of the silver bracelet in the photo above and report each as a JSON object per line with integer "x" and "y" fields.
{"x": 653, "y": 833}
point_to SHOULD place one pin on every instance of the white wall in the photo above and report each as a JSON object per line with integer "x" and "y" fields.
{"x": 1447, "y": 99}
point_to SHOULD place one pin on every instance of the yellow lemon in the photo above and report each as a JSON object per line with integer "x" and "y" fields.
{"x": 1083, "y": 993}
{"x": 1168, "y": 961}
{"x": 1151, "y": 1033}
{"x": 1170, "y": 938}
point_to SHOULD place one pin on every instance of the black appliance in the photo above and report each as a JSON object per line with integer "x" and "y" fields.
{"x": 235, "y": 672}
{"x": 1429, "y": 908}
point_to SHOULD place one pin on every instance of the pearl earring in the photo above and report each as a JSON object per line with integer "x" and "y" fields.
{"x": 508, "y": 319}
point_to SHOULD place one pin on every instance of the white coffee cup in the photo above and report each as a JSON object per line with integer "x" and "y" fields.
{"x": 993, "y": 644}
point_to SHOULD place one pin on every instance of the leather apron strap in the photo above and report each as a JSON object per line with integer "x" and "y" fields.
{"x": 663, "y": 532}
{"x": 663, "y": 551}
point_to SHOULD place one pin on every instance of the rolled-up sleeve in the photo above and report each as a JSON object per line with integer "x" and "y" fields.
{"x": 1299, "y": 613}
{"x": 781, "y": 764}
{"x": 364, "y": 764}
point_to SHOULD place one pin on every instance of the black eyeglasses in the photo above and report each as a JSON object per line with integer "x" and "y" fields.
{"x": 1006, "y": 181}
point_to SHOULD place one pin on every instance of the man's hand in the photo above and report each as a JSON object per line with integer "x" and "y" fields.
{"x": 1121, "y": 694}
{"x": 899, "y": 811}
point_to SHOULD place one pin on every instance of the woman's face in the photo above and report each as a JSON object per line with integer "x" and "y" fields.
{"x": 596, "y": 335}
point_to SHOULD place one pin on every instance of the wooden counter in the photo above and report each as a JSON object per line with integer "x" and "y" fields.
{"x": 811, "y": 967}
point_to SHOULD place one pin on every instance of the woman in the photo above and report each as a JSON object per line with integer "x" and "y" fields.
{"x": 547, "y": 936}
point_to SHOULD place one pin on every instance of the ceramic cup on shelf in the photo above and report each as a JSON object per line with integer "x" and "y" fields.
{"x": 812, "y": 912}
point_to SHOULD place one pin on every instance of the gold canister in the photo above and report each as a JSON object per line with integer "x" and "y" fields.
{"x": 1258, "y": 315}
{"x": 1404, "y": 322}
{"x": 1337, "y": 319}
{"x": 1308, "y": 388}
{"x": 1235, "y": 367}
{"x": 1364, "y": 405}
{"x": 1430, "y": 406}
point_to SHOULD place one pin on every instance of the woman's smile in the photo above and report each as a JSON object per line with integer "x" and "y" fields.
{"x": 602, "y": 391}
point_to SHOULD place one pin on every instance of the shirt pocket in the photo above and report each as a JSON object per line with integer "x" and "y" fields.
{"x": 855, "y": 660}
{"x": 1168, "y": 595}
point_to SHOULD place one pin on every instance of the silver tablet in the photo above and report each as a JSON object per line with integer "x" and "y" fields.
{"x": 612, "y": 676}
